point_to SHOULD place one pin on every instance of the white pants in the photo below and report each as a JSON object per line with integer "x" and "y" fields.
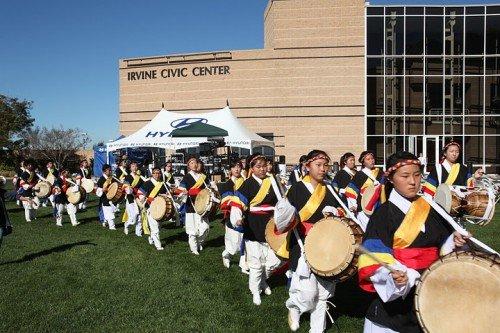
{"x": 261, "y": 261}
{"x": 83, "y": 204}
{"x": 309, "y": 294}
{"x": 109, "y": 215}
{"x": 232, "y": 242}
{"x": 154, "y": 228}
{"x": 30, "y": 210}
{"x": 363, "y": 220}
{"x": 70, "y": 208}
{"x": 197, "y": 230}
{"x": 134, "y": 218}
{"x": 371, "y": 327}
{"x": 51, "y": 199}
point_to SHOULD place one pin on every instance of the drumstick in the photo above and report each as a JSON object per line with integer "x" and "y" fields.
{"x": 119, "y": 181}
{"x": 363, "y": 250}
{"x": 456, "y": 226}
{"x": 339, "y": 200}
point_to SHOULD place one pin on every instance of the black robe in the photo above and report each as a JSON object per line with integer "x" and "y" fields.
{"x": 130, "y": 179}
{"x": 148, "y": 187}
{"x": 188, "y": 182}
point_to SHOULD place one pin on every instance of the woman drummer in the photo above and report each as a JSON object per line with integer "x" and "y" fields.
{"x": 307, "y": 202}
{"x": 408, "y": 235}
{"x": 450, "y": 171}
{"x": 196, "y": 226}
{"x": 252, "y": 208}
{"x": 347, "y": 171}
{"x": 61, "y": 187}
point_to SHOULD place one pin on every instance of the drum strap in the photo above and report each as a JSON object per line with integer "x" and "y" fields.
{"x": 313, "y": 202}
{"x": 347, "y": 211}
{"x": 412, "y": 223}
{"x": 238, "y": 182}
{"x": 261, "y": 194}
{"x": 155, "y": 190}
{"x": 135, "y": 181}
{"x": 200, "y": 181}
{"x": 452, "y": 176}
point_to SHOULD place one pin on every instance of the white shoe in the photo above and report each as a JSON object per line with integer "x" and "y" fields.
{"x": 200, "y": 247}
{"x": 245, "y": 271}
{"x": 256, "y": 298}
{"x": 226, "y": 262}
{"x": 160, "y": 248}
{"x": 293, "y": 319}
{"x": 104, "y": 225}
{"x": 112, "y": 228}
{"x": 268, "y": 291}
{"x": 58, "y": 224}
{"x": 150, "y": 240}
{"x": 138, "y": 235}
{"x": 75, "y": 224}
{"x": 125, "y": 230}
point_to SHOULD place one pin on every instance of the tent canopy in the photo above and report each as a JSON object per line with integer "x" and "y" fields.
{"x": 168, "y": 129}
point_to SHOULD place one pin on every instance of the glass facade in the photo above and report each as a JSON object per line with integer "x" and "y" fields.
{"x": 432, "y": 74}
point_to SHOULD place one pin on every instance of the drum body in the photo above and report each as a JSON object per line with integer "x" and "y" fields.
{"x": 368, "y": 195}
{"x": 207, "y": 202}
{"x": 447, "y": 198}
{"x": 162, "y": 208}
{"x": 460, "y": 293}
{"x": 43, "y": 189}
{"x": 330, "y": 247}
{"x": 276, "y": 242}
{"x": 51, "y": 179}
{"x": 88, "y": 185}
{"x": 76, "y": 197}
{"x": 115, "y": 192}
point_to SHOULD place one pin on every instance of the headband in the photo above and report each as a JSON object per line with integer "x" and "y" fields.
{"x": 189, "y": 160}
{"x": 400, "y": 164}
{"x": 452, "y": 143}
{"x": 256, "y": 158}
{"x": 318, "y": 157}
{"x": 365, "y": 155}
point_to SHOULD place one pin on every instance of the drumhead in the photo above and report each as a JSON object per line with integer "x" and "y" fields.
{"x": 88, "y": 185}
{"x": 112, "y": 190}
{"x": 276, "y": 241}
{"x": 51, "y": 179}
{"x": 75, "y": 197}
{"x": 443, "y": 197}
{"x": 460, "y": 293}
{"x": 330, "y": 246}
{"x": 42, "y": 189}
{"x": 366, "y": 197}
{"x": 202, "y": 202}
{"x": 161, "y": 208}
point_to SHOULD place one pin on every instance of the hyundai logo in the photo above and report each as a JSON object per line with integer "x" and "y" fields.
{"x": 183, "y": 122}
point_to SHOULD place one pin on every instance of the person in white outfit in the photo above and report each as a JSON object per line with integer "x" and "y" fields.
{"x": 25, "y": 193}
{"x": 61, "y": 186}
{"x": 108, "y": 209}
{"x": 256, "y": 198}
{"x": 132, "y": 183}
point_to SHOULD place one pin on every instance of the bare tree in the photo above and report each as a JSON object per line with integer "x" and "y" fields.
{"x": 55, "y": 144}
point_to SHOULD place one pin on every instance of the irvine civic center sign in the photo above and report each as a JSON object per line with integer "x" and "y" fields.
{"x": 177, "y": 72}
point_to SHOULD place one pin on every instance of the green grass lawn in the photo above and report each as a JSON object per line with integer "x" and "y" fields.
{"x": 87, "y": 278}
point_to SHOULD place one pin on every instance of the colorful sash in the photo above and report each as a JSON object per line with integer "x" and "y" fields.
{"x": 452, "y": 176}
{"x": 238, "y": 182}
{"x": 264, "y": 189}
{"x": 313, "y": 202}
{"x": 135, "y": 181}
{"x": 412, "y": 224}
{"x": 155, "y": 191}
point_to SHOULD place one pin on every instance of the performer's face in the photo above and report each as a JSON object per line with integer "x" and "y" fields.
{"x": 84, "y": 164}
{"x": 452, "y": 153}
{"x": 369, "y": 161}
{"x": 156, "y": 174}
{"x": 193, "y": 165}
{"x": 269, "y": 167}
{"x": 236, "y": 171}
{"x": 50, "y": 165}
{"x": 107, "y": 172}
{"x": 133, "y": 167}
{"x": 350, "y": 163}
{"x": 168, "y": 167}
{"x": 318, "y": 169}
{"x": 406, "y": 180}
{"x": 260, "y": 169}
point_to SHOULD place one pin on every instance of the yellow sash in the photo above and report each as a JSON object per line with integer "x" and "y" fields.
{"x": 155, "y": 190}
{"x": 200, "y": 181}
{"x": 314, "y": 201}
{"x": 238, "y": 182}
{"x": 135, "y": 181}
{"x": 144, "y": 222}
{"x": 264, "y": 189}
{"x": 369, "y": 181}
{"x": 412, "y": 223}
{"x": 452, "y": 176}
{"x": 51, "y": 172}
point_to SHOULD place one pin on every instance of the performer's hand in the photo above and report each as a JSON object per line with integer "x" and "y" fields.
{"x": 239, "y": 223}
{"x": 479, "y": 173}
{"x": 353, "y": 209}
{"x": 399, "y": 277}
{"x": 459, "y": 239}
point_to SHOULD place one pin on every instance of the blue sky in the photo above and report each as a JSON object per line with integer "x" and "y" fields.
{"x": 63, "y": 55}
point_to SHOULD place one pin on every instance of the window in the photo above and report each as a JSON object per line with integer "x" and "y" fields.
{"x": 454, "y": 35}
{"x": 375, "y": 36}
{"x": 414, "y": 95}
{"x": 493, "y": 35}
{"x": 473, "y": 95}
{"x": 434, "y": 35}
{"x": 375, "y": 95}
{"x": 374, "y": 66}
{"x": 394, "y": 30}
{"x": 414, "y": 35}
{"x": 474, "y": 32}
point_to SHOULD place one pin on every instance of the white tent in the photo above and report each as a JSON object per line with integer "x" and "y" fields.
{"x": 157, "y": 133}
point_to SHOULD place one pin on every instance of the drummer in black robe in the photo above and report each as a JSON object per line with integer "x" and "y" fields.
{"x": 252, "y": 207}
{"x": 367, "y": 177}
{"x": 132, "y": 183}
{"x": 233, "y": 237}
{"x": 83, "y": 173}
{"x": 450, "y": 171}
{"x": 407, "y": 234}
{"x": 26, "y": 193}
{"x": 49, "y": 171}
{"x": 298, "y": 172}
{"x": 5, "y": 224}
{"x": 196, "y": 225}
{"x": 106, "y": 207}
{"x": 60, "y": 190}
{"x": 306, "y": 203}
{"x": 346, "y": 173}
{"x": 168, "y": 174}
{"x": 147, "y": 193}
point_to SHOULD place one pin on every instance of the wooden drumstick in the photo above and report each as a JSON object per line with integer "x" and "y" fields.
{"x": 363, "y": 250}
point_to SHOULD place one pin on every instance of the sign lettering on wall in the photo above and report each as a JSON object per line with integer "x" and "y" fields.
{"x": 177, "y": 72}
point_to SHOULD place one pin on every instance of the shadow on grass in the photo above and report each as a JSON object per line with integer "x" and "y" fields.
{"x": 57, "y": 249}
{"x": 178, "y": 237}
{"x": 215, "y": 242}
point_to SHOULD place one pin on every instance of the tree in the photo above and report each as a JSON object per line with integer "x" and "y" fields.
{"x": 15, "y": 118}
{"x": 55, "y": 144}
